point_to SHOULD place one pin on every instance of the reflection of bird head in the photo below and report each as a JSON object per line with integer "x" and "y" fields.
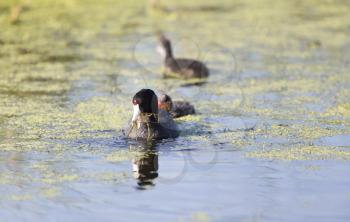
{"x": 145, "y": 167}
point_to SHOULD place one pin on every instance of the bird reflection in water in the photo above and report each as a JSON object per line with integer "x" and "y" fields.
{"x": 145, "y": 166}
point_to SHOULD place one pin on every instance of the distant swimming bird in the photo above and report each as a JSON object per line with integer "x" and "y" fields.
{"x": 176, "y": 108}
{"x": 185, "y": 68}
{"x": 147, "y": 122}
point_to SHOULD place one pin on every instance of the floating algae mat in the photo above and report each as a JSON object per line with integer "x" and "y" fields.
{"x": 270, "y": 140}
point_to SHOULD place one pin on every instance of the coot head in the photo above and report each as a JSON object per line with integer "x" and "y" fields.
{"x": 165, "y": 102}
{"x": 145, "y": 102}
{"x": 175, "y": 108}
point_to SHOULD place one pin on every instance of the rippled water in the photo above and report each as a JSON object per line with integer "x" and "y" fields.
{"x": 270, "y": 141}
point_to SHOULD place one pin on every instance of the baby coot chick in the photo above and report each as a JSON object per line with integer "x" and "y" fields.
{"x": 147, "y": 122}
{"x": 176, "y": 108}
{"x": 178, "y": 67}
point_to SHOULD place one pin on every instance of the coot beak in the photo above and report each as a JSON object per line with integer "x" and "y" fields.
{"x": 161, "y": 51}
{"x": 136, "y": 113}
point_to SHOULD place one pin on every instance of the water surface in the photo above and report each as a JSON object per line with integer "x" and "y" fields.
{"x": 270, "y": 141}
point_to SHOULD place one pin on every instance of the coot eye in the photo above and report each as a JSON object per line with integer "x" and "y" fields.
{"x": 135, "y": 101}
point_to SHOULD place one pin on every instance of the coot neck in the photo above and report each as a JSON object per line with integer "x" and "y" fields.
{"x": 168, "y": 52}
{"x": 149, "y": 121}
{"x": 148, "y": 118}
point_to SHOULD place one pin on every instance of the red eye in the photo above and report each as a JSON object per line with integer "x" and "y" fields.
{"x": 135, "y": 102}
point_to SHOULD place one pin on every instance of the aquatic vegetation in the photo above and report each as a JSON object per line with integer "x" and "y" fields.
{"x": 302, "y": 153}
{"x": 123, "y": 155}
{"x": 340, "y": 110}
{"x": 21, "y": 197}
{"x": 197, "y": 217}
{"x": 52, "y": 179}
{"x": 51, "y": 193}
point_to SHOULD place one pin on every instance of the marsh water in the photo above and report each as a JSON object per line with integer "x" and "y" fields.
{"x": 270, "y": 140}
